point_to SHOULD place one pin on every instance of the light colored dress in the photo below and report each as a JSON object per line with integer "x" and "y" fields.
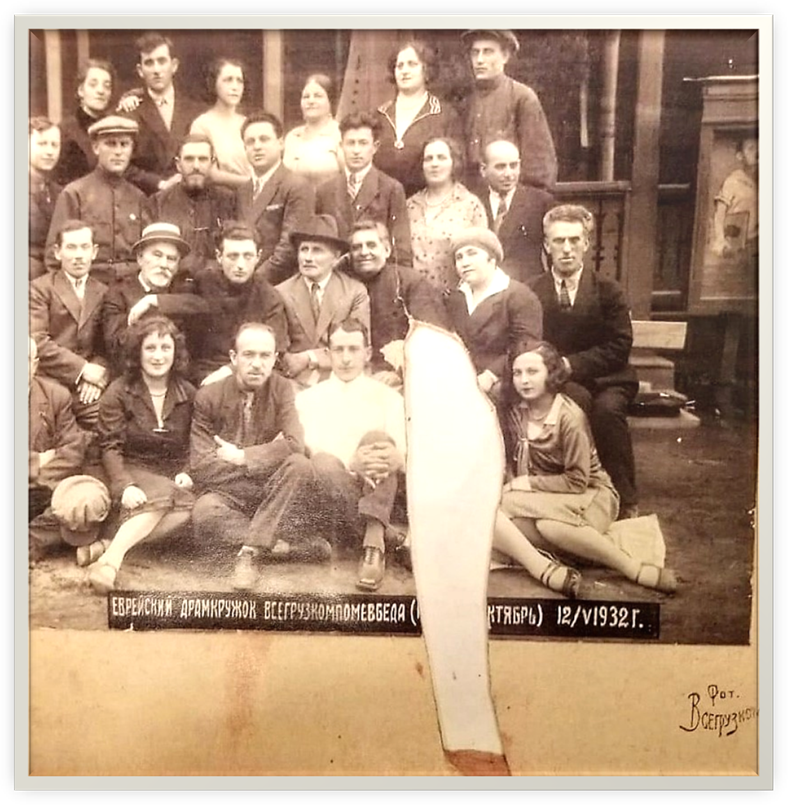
{"x": 316, "y": 158}
{"x": 432, "y": 230}
{"x": 225, "y": 136}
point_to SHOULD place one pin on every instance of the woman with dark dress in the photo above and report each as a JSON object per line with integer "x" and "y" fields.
{"x": 144, "y": 424}
{"x": 412, "y": 117}
{"x": 96, "y": 81}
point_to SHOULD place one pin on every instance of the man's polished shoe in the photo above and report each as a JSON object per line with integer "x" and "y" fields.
{"x": 371, "y": 569}
{"x": 244, "y": 574}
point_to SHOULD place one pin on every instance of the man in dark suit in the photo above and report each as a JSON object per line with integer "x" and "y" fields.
{"x": 247, "y": 457}
{"x": 233, "y": 296}
{"x": 157, "y": 287}
{"x": 195, "y": 205}
{"x": 587, "y": 318}
{"x": 317, "y": 297}
{"x": 514, "y": 211}
{"x": 43, "y": 154}
{"x": 276, "y": 201}
{"x": 65, "y": 321}
{"x": 364, "y": 192}
{"x": 164, "y": 115}
{"x": 396, "y": 293}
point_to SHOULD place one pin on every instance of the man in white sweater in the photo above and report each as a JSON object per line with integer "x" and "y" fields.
{"x": 354, "y": 429}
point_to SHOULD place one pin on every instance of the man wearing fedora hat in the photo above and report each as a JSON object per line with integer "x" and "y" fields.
{"x": 157, "y": 286}
{"x": 105, "y": 200}
{"x": 500, "y": 107}
{"x": 317, "y": 297}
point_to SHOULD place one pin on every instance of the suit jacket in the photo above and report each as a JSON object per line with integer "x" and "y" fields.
{"x": 285, "y": 204}
{"x": 343, "y": 297}
{"x": 595, "y": 335}
{"x": 395, "y": 294}
{"x": 76, "y": 152}
{"x": 379, "y": 198}
{"x": 157, "y": 146}
{"x": 200, "y": 218}
{"x": 52, "y": 426}
{"x": 179, "y": 302}
{"x": 521, "y": 232}
{"x": 275, "y": 434}
{"x": 497, "y": 325}
{"x": 67, "y": 332}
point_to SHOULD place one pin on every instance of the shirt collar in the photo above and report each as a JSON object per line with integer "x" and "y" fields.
{"x": 322, "y": 284}
{"x": 73, "y": 280}
{"x": 495, "y": 196}
{"x": 552, "y": 414}
{"x": 361, "y": 175}
{"x": 168, "y": 96}
{"x": 500, "y": 282}
{"x": 147, "y": 288}
{"x": 571, "y": 282}
{"x": 268, "y": 174}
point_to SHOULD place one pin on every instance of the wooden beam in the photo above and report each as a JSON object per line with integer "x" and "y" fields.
{"x": 607, "y": 106}
{"x": 54, "y": 75}
{"x": 83, "y": 49}
{"x": 273, "y": 72}
{"x": 659, "y": 334}
{"x": 640, "y": 257}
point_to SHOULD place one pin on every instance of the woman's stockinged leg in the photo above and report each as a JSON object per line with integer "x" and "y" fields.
{"x": 588, "y": 543}
{"x": 509, "y": 539}
{"x": 131, "y": 533}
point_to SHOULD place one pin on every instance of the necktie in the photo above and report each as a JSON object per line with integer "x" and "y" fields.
{"x": 258, "y": 186}
{"x": 499, "y": 215}
{"x": 353, "y": 185}
{"x": 79, "y": 288}
{"x": 564, "y": 302}
{"x": 314, "y": 298}
{"x": 165, "y": 110}
{"x": 247, "y": 418}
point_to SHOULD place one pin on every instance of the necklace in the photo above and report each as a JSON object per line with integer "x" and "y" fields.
{"x": 158, "y": 393}
{"x": 438, "y": 203}
{"x": 533, "y": 418}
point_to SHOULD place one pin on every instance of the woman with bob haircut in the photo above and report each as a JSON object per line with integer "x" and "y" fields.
{"x": 413, "y": 116}
{"x": 96, "y": 82}
{"x": 143, "y": 430}
{"x": 312, "y": 149}
{"x": 555, "y": 483}
{"x": 441, "y": 210}
{"x": 221, "y": 124}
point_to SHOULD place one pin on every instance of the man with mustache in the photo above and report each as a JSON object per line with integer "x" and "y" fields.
{"x": 196, "y": 205}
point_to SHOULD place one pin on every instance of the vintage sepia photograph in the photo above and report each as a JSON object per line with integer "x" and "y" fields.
{"x": 349, "y": 331}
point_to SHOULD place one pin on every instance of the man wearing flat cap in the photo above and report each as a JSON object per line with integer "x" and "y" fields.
{"x": 491, "y": 312}
{"x": 500, "y": 107}
{"x": 157, "y": 286}
{"x": 105, "y": 200}
{"x": 317, "y": 297}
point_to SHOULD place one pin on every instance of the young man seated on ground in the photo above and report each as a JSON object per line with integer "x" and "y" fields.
{"x": 63, "y": 505}
{"x": 247, "y": 458}
{"x": 354, "y": 428}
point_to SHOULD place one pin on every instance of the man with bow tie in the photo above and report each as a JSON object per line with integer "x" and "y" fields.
{"x": 587, "y": 318}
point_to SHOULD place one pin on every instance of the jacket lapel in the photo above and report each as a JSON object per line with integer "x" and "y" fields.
{"x": 93, "y": 297}
{"x": 331, "y": 297}
{"x": 150, "y": 113}
{"x": 302, "y": 304}
{"x": 267, "y": 194}
{"x": 367, "y": 192}
{"x": 512, "y": 217}
{"x": 65, "y": 293}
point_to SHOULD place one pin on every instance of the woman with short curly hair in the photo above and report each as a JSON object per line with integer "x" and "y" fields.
{"x": 144, "y": 425}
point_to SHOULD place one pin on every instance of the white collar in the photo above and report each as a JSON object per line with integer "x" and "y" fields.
{"x": 267, "y": 175}
{"x": 360, "y": 176}
{"x": 499, "y": 282}
{"x": 571, "y": 282}
{"x": 322, "y": 284}
{"x": 495, "y": 196}
{"x": 168, "y": 95}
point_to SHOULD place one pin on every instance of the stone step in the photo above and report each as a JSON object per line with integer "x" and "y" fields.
{"x": 652, "y": 369}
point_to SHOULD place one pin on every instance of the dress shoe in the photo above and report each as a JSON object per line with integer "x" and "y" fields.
{"x": 315, "y": 550}
{"x": 371, "y": 569}
{"x": 244, "y": 574}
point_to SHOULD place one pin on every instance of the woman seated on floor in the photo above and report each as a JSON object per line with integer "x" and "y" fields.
{"x": 557, "y": 484}
{"x": 144, "y": 423}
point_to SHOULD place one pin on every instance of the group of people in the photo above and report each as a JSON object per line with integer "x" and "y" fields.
{"x": 218, "y": 313}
